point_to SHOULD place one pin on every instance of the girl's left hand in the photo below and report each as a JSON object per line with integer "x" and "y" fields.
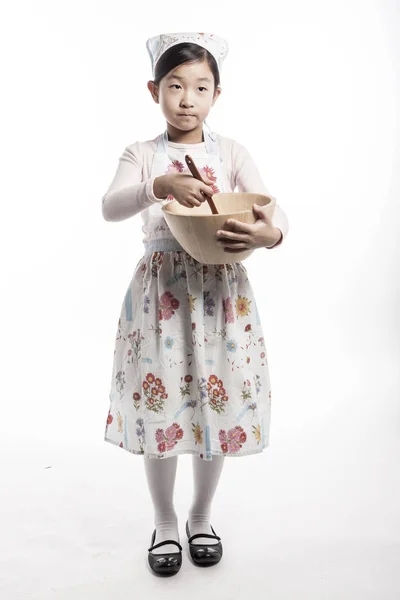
{"x": 237, "y": 236}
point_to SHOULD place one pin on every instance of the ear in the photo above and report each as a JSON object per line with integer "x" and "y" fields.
{"x": 153, "y": 88}
{"x": 217, "y": 93}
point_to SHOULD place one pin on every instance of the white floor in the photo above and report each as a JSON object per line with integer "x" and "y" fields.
{"x": 303, "y": 520}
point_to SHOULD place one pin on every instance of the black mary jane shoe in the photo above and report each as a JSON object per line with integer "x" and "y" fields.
{"x": 165, "y": 564}
{"x": 204, "y": 555}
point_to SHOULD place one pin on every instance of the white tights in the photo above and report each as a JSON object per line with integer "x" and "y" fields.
{"x": 161, "y": 475}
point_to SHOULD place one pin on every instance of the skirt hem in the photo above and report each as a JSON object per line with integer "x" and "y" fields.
{"x": 187, "y": 451}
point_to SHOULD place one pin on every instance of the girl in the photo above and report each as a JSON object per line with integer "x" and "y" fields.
{"x": 190, "y": 373}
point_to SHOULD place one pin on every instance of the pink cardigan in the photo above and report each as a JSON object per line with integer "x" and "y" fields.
{"x": 131, "y": 190}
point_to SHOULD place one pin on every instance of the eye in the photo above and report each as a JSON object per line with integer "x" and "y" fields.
{"x": 175, "y": 85}
{"x": 202, "y": 88}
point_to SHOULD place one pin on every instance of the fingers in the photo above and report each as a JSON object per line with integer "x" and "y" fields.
{"x": 236, "y": 249}
{"x": 231, "y": 236}
{"x": 191, "y": 192}
{"x": 238, "y": 226}
{"x": 207, "y": 189}
{"x": 232, "y": 244}
{"x": 191, "y": 202}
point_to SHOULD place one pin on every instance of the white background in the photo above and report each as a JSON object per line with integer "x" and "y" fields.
{"x": 311, "y": 88}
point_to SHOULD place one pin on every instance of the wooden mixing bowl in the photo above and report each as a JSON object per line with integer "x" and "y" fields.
{"x": 196, "y": 228}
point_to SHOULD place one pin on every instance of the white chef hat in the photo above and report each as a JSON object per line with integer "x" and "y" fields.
{"x": 158, "y": 44}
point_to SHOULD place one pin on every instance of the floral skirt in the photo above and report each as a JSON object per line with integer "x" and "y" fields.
{"x": 190, "y": 372}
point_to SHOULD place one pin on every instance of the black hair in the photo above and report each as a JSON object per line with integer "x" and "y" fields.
{"x": 184, "y": 53}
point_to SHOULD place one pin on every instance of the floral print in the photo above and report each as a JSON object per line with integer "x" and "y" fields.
{"x": 136, "y": 400}
{"x": 197, "y": 433}
{"x": 217, "y": 393}
{"x": 242, "y": 306}
{"x": 168, "y": 305}
{"x": 190, "y": 373}
{"x": 209, "y": 304}
{"x": 228, "y": 310}
{"x": 156, "y": 263}
{"x": 209, "y": 172}
{"x": 175, "y": 167}
{"x": 168, "y": 439}
{"x": 233, "y": 440}
{"x": 134, "y": 339}
{"x": 154, "y": 392}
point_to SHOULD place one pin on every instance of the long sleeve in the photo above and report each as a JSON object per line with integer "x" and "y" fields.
{"x": 128, "y": 194}
{"x": 248, "y": 179}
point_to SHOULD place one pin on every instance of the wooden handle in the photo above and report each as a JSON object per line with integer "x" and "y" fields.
{"x": 195, "y": 172}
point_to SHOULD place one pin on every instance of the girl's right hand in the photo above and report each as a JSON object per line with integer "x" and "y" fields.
{"x": 187, "y": 190}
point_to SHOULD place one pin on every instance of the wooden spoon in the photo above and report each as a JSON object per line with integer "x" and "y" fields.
{"x": 195, "y": 172}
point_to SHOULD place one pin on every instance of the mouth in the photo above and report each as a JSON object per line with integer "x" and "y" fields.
{"x": 185, "y": 115}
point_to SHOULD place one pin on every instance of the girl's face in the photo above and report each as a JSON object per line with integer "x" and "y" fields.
{"x": 186, "y": 96}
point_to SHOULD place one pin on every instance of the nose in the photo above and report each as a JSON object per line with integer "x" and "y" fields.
{"x": 185, "y": 101}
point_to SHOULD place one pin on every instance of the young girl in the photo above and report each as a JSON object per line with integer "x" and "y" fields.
{"x": 190, "y": 373}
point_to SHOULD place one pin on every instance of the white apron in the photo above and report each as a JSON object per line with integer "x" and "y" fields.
{"x": 190, "y": 372}
{"x": 163, "y": 162}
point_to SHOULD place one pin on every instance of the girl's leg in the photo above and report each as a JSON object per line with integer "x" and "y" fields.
{"x": 206, "y": 475}
{"x": 161, "y": 475}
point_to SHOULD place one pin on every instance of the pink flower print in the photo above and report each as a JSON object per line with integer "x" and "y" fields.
{"x": 175, "y": 167}
{"x": 209, "y": 172}
{"x": 170, "y": 197}
{"x": 170, "y": 432}
{"x": 167, "y": 440}
{"x": 159, "y": 435}
{"x": 168, "y": 305}
{"x": 233, "y": 447}
{"x": 228, "y": 310}
{"x": 234, "y": 434}
{"x": 232, "y": 441}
